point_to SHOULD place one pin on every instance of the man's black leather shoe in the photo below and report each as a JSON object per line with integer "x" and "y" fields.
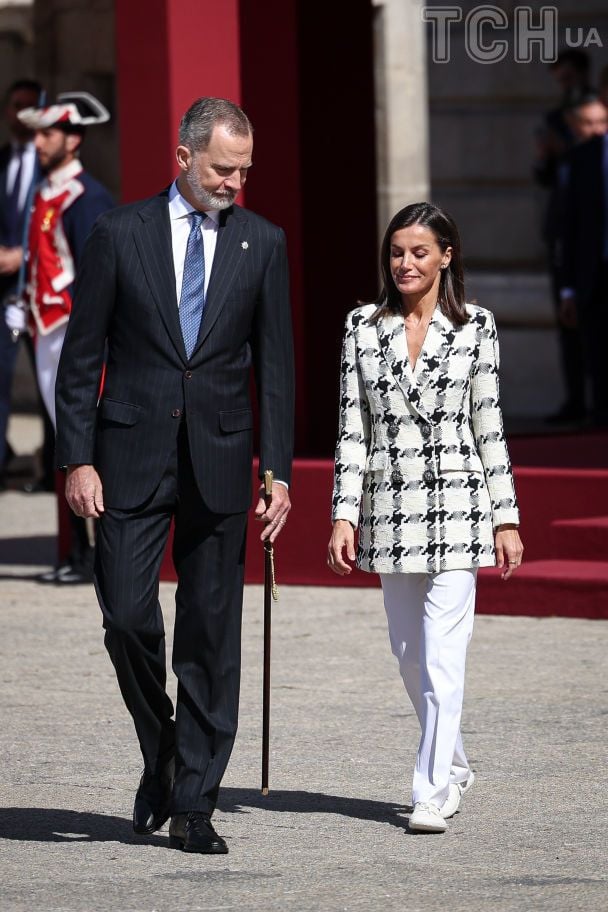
{"x": 193, "y": 832}
{"x": 74, "y": 576}
{"x": 67, "y": 575}
{"x": 152, "y": 801}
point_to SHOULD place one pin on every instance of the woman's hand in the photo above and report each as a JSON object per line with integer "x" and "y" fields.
{"x": 342, "y": 536}
{"x": 509, "y": 549}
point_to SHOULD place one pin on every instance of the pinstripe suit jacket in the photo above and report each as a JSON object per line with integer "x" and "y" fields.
{"x": 421, "y": 461}
{"x": 125, "y": 309}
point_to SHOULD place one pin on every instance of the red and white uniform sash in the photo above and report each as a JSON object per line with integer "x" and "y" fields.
{"x": 51, "y": 265}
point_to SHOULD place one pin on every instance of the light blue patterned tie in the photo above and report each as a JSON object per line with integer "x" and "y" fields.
{"x": 192, "y": 299}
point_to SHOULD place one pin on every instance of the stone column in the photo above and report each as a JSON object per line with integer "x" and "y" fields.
{"x": 401, "y": 106}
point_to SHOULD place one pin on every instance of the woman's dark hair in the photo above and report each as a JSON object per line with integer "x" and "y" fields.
{"x": 451, "y": 284}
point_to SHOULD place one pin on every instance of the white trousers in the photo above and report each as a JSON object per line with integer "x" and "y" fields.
{"x": 430, "y": 622}
{"x": 48, "y": 350}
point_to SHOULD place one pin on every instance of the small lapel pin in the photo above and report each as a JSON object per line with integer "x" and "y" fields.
{"x": 244, "y": 245}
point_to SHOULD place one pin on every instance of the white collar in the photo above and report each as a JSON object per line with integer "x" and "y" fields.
{"x": 179, "y": 207}
{"x": 64, "y": 175}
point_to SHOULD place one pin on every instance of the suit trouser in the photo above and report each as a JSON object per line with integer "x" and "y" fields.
{"x": 593, "y": 316}
{"x": 430, "y": 622}
{"x": 571, "y": 352}
{"x": 208, "y": 553}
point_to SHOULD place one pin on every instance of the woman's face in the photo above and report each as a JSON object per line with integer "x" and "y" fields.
{"x": 416, "y": 260}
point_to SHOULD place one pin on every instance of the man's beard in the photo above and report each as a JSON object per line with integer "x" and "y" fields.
{"x": 54, "y": 162}
{"x": 206, "y": 199}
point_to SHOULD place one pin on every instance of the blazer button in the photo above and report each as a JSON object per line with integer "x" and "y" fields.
{"x": 176, "y": 413}
{"x": 396, "y": 476}
{"x": 425, "y": 430}
{"x": 393, "y": 431}
{"x": 428, "y": 477}
{"x": 188, "y": 375}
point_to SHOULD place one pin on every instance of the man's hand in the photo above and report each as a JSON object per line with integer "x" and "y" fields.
{"x": 10, "y": 260}
{"x": 83, "y": 491}
{"x": 509, "y": 549}
{"x": 342, "y": 536}
{"x": 275, "y": 514}
{"x": 15, "y": 318}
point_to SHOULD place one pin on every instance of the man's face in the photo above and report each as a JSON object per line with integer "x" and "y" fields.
{"x": 212, "y": 178}
{"x": 55, "y": 148}
{"x": 590, "y": 120}
{"x": 17, "y": 101}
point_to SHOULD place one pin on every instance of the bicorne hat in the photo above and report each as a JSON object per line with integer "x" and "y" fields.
{"x": 71, "y": 112}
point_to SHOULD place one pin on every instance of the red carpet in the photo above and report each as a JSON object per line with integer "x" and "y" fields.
{"x": 545, "y": 588}
{"x": 580, "y": 539}
{"x": 564, "y": 530}
{"x": 585, "y": 449}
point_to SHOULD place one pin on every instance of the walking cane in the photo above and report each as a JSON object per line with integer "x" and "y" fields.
{"x": 270, "y": 592}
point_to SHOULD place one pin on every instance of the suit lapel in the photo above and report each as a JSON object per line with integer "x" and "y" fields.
{"x": 432, "y": 360}
{"x": 229, "y": 256}
{"x": 393, "y": 345}
{"x": 153, "y": 241}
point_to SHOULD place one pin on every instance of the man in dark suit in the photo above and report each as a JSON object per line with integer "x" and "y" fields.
{"x": 584, "y": 284}
{"x": 587, "y": 117}
{"x": 185, "y": 293}
{"x": 17, "y": 171}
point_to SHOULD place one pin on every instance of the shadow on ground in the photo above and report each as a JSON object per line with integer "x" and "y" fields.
{"x": 29, "y": 550}
{"x": 61, "y": 825}
{"x": 235, "y": 800}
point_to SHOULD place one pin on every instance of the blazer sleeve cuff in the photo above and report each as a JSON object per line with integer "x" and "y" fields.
{"x": 344, "y": 511}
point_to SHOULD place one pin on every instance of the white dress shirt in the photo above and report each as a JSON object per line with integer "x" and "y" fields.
{"x": 179, "y": 212}
{"x": 27, "y": 171}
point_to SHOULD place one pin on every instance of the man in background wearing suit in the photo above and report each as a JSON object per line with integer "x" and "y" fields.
{"x": 184, "y": 293}
{"x": 585, "y": 261}
{"x": 17, "y": 170}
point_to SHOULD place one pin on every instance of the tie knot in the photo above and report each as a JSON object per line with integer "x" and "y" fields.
{"x": 197, "y": 218}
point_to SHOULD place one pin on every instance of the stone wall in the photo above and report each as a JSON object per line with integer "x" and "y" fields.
{"x": 467, "y": 128}
{"x": 75, "y": 50}
{"x": 16, "y": 46}
{"x": 483, "y": 120}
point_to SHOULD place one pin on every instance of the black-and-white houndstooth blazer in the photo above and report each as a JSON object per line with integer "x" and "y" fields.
{"x": 421, "y": 462}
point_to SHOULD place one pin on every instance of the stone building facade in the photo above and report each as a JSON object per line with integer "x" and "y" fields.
{"x": 461, "y": 133}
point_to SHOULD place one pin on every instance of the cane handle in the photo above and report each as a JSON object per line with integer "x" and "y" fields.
{"x": 268, "y": 482}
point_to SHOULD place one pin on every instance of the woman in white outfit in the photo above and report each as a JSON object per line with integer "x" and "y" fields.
{"x": 422, "y": 471}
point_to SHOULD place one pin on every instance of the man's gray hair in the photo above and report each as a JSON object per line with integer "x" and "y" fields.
{"x": 201, "y": 117}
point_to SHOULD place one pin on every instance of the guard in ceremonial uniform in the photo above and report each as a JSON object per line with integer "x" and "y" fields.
{"x": 65, "y": 207}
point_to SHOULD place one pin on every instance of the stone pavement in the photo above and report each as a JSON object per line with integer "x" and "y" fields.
{"x": 333, "y": 834}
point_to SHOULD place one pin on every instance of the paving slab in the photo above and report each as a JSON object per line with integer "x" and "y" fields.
{"x": 332, "y": 835}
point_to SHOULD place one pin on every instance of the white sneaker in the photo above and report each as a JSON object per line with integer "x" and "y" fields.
{"x": 457, "y": 790}
{"x": 426, "y": 818}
